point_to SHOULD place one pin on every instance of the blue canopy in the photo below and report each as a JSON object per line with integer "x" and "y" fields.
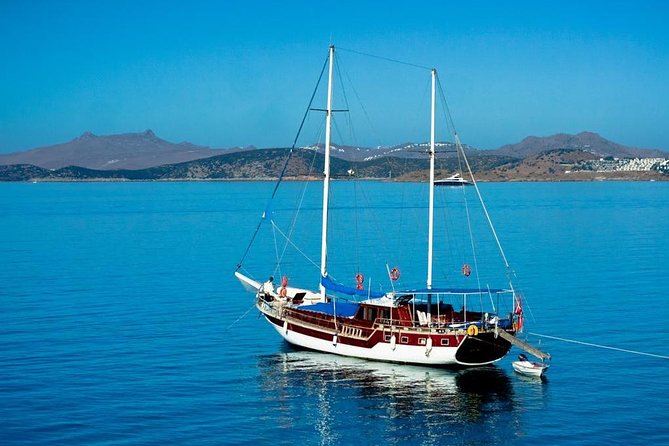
{"x": 351, "y": 291}
{"x": 344, "y": 309}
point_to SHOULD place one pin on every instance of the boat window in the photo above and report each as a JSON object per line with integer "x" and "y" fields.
{"x": 444, "y": 341}
{"x": 404, "y": 339}
{"x": 421, "y": 341}
{"x": 387, "y": 338}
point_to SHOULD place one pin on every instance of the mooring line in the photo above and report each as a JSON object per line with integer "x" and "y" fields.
{"x": 601, "y": 346}
{"x": 239, "y": 318}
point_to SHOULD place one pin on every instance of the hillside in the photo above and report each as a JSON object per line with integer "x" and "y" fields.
{"x": 405, "y": 150}
{"x": 145, "y": 150}
{"x": 124, "y": 151}
{"x": 255, "y": 164}
{"x": 585, "y": 141}
{"x": 567, "y": 165}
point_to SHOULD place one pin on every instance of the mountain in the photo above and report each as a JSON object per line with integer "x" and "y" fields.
{"x": 586, "y": 141}
{"x": 124, "y": 151}
{"x": 144, "y": 156}
{"x": 146, "y": 150}
{"x": 257, "y": 164}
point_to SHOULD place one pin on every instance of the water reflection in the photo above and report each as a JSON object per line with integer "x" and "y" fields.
{"x": 345, "y": 399}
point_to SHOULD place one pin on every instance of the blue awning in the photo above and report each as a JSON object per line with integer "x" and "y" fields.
{"x": 343, "y": 309}
{"x": 351, "y": 291}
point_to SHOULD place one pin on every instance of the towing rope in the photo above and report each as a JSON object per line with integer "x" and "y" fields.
{"x": 600, "y": 346}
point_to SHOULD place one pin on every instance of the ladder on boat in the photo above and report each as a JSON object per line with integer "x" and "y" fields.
{"x": 523, "y": 345}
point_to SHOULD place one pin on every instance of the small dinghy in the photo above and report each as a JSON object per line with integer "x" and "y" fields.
{"x": 527, "y": 367}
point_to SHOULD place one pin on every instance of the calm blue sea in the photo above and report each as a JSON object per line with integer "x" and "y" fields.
{"x": 121, "y": 323}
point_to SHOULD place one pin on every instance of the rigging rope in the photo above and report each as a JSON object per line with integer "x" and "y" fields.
{"x": 240, "y": 318}
{"x": 460, "y": 150}
{"x": 285, "y": 166}
{"x": 388, "y": 59}
{"x": 590, "y": 344}
{"x": 471, "y": 174}
{"x": 295, "y": 217}
{"x": 288, "y": 240}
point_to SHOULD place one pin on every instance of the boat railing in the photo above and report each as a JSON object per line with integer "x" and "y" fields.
{"x": 267, "y": 308}
{"x": 303, "y": 318}
{"x": 382, "y": 321}
{"x": 441, "y": 325}
{"x": 403, "y": 324}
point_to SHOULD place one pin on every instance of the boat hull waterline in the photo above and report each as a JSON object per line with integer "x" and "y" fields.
{"x": 422, "y": 345}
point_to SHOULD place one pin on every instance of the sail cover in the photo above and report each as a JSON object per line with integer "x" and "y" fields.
{"x": 351, "y": 291}
{"x": 343, "y": 309}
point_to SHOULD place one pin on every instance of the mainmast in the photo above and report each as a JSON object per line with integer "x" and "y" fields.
{"x": 430, "y": 228}
{"x": 326, "y": 178}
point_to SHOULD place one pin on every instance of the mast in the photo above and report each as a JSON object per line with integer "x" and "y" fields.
{"x": 430, "y": 228}
{"x": 326, "y": 176}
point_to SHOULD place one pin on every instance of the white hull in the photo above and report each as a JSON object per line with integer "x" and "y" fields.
{"x": 419, "y": 355}
{"x": 529, "y": 368}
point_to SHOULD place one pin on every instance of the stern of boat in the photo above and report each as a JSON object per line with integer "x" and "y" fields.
{"x": 484, "y": 348}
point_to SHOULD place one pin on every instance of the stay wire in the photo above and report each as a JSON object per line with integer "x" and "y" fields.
{"x": 295, "y": 218}
{"x": 239, "y": 318}
{"x": 347, "y": 108}
{"x": 387, "y": 59}
{"x": 285, "y": 165}
{"x": 471, "y": 174}
{"x": 461, "y": 151}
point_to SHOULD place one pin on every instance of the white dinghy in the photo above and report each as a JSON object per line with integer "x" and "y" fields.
{"x": 526, "y": 367}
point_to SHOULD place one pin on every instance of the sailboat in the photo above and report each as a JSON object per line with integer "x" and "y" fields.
{"x": 412, "y": 326}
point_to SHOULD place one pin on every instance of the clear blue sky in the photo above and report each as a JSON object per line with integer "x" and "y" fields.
{"x": 230, "y": 73}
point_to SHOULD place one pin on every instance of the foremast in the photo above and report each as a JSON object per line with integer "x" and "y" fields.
{"x": 430, "y": 227}
{"x": 326, "y": 176}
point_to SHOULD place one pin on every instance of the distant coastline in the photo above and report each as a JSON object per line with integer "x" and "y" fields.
{"x": 146, "y": 157}
{"x": 483, "y": 178}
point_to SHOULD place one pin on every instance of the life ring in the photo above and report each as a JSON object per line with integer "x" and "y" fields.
{"x": 472, "y": 330}
{"x": 394, "y": 274}
{"x": 466, "y": 270}
{"x": 284, "y": 281}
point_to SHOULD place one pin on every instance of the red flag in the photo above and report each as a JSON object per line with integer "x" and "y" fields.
{"x": 519, "y": 312}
